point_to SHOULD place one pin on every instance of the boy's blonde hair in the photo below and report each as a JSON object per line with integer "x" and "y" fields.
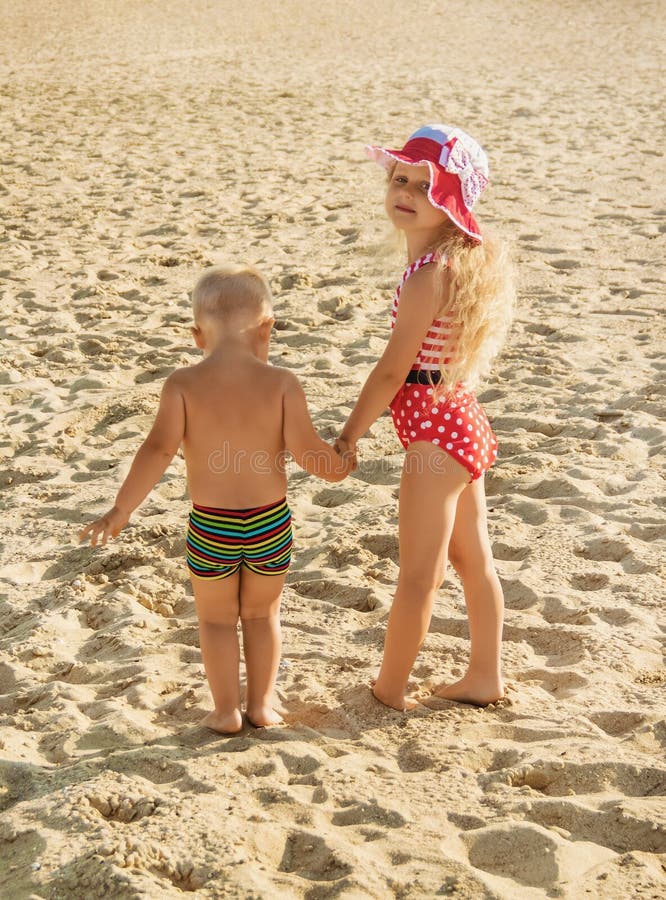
{"x": 232, "y": 293}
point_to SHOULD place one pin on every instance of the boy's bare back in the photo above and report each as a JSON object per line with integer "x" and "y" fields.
{"x": 236, "y": 418}
{"x": 233, "y": 439}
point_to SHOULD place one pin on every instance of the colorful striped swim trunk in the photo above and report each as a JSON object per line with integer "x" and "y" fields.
{"x": 220, "y": 541}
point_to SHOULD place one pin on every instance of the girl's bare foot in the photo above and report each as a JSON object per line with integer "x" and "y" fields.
{"x": 224, "y": 723}
{"x": 474, "y": 689}
{"x": 263, "y": 717}
{"x": 394, "y": 701}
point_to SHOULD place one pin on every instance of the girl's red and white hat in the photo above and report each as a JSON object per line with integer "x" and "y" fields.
{"x": 458, "y": 170}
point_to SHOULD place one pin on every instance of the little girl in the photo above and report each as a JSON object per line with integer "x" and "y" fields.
{"x": 451, "y": 313}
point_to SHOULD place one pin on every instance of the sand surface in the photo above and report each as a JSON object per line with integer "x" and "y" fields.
{"x": 140, "y": 141}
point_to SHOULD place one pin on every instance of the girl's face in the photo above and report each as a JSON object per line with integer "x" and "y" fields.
{"x": 407, "y": 201}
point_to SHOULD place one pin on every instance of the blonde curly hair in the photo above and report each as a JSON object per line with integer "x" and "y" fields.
{"x": 480, "y": 303}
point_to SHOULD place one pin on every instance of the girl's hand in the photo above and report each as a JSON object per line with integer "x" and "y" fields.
{"x": 347, "y": 451}
{"x": 108, "y": 526}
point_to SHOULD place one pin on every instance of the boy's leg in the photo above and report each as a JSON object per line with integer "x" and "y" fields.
{"x": 262, "y": 642}
{"x": 217, "y": 605}
{"x": 471, "y": 556}
{"x": 429, "y": 489}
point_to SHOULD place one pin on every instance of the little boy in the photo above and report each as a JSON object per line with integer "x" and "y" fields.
{"x": 236, "y": 416}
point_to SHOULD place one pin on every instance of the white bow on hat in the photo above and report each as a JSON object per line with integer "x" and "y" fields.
{"x": 458, "y": 161}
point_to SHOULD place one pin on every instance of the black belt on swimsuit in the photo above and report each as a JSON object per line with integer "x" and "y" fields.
{"x": 419, "y": 376}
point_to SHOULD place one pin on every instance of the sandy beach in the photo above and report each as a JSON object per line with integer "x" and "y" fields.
{"x": 141, "y": 141}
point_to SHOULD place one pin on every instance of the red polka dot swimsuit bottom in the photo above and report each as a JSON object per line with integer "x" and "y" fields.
{"x": 457, "y": 424}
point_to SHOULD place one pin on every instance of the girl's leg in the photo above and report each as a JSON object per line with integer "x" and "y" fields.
{"x": 217, "y": 605}
{"x": 471, "y": 556}
{"x": 429, "y": 489}
{"x": 262, "y": 642}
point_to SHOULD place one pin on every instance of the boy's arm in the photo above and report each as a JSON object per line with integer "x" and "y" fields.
{"x": 148, "y": 466}
{"x": 302, "y": 441}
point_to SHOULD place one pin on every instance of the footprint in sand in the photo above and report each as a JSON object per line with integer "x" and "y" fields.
{"x": 296, "y": 280}
{"x": 362, "y": 599}
{"x": 559, "y": 779}
{"x": 383, "y": 546}
{"x": 415, "y": 756}
{"x": 530, "y": 854}
{"x": 517, "y": 594}
{"x": 532, "y": 513}
{"x": 589, "y": 581}
{"x": 329, "y": 498}
{"x": 349, "y": 235}
{"x": 302, "y": 340}
{"x": 616, "y": 826}
{"x": 612, "y": 549}
{"x": 604, "y": 549}
{"x": 123, "y": 802}
{"x": 308, "y": 855}
{"x": 550, "y": 489}
{"x": 556, "y": 612}
{"x": 341, "y": 308}
{"x": 20, "y": 782}
{"x": 368, "y": 814}
{"x": 384, "y": 471}
{"x": 302, "y": 769}
{"x": 559, "y": 646}
{"x": 509, "y": 553}
{"x": 564, "y": 265}
{"x": 561, "y": 684}
{"x": 188, "y": 636}
{"x": 257, "y": 769}
{"x": 617, "y": 722}
{"x": 617, "y": 616}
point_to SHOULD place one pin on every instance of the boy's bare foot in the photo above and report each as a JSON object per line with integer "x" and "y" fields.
{"x": 472, "y": 689}
{"x": 224, "y": 723}
{"x": 263, "y": 717}
{"x": 394, "y": 701}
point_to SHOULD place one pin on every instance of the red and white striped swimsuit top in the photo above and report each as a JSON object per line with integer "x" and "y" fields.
{"x": 439, "y": 333}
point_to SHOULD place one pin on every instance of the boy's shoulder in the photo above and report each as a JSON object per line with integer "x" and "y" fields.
{"x": 185, "y": 379}
{"x": 285, "y": 377}
{"x": 181, "y": 375}
{"x": 277, "y": 375}
{"x": 267, "y": 373}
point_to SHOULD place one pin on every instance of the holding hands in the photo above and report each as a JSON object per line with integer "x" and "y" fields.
{"x": 347, "y": 450}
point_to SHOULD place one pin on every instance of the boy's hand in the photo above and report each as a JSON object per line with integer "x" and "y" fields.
{"x": 107, "y": 526}
{"x": 347, "y": 451}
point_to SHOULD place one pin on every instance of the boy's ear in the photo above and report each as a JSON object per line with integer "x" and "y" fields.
{"x": 267, "y": 325}
{"x": 197, "y": 334}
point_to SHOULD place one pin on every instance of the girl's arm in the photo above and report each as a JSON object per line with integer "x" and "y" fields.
{"x": 302, "y": 441}
{"x": 148, "y": 466}
{"x": 417, "y": 309}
